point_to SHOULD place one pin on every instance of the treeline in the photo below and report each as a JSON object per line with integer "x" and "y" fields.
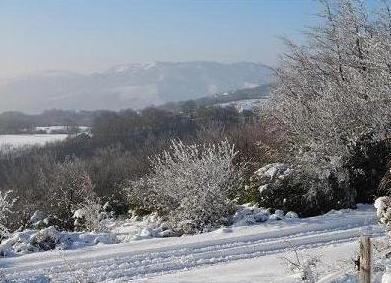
{"x": 17, "y": 122}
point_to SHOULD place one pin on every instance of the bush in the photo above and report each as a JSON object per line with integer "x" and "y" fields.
{"x": 383, "y": 203}
{"x": 6, "y": 205}
{"x": 45, "y": 239}
{"x": 316, "y": 188}
{"x": 305, "y": 190}
{"x": 20, "y": 172}
{"x": 190, "y": 185}
{"x": 90, "y": 216}
{"x": 367, "y": 165}
{"x": 69, "y": 188}
{"x": 108, "y": 168}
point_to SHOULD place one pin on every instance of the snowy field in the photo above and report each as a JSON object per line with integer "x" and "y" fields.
{"x": 247, "y": 104}
{"x": 29, "y": 140}
{"x": 233, "y": 254}
{"x": 56, "y": 129}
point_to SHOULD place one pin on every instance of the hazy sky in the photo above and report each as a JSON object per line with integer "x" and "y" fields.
{"x": 91, "y": 35}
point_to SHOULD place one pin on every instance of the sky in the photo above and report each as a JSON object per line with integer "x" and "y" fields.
{"x": 93, "y": 35}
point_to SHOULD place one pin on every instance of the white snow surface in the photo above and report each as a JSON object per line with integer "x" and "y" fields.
{"x": 29, "y": 241}
{"x": 54, "y": 129}
{"x": 231, "y": 254}
{"x": 270, "y": 171}
{"x": 15, "y": 141}
{"x": 246, "y": 104}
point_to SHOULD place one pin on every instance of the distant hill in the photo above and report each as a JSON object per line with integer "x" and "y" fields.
{"x": 259, "y": 92}
{"x": 14, "y": 122}
{"x": 128, "y": 86}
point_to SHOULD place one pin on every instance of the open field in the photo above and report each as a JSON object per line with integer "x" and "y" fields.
{"x": 29, "y": 140}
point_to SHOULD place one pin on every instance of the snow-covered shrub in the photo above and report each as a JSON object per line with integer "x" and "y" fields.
{"x": 291, "y": 215}
{"x": 142, "y": 227}
{"x": 39, "y": 220}
{"x": 190, "y": 184}
{"x": 6, "y": 204}
{"x": 37, "y": 217}
{"x": 383, "y": 204}
{"x": 49, "y": 238}
{"x": 21, "y": 172}
{"x": 90, "y": 216}
{"x": 305, "y": 190}
{"x": 383, "y": 211}
{"x": 45, "y": 239}
{"x": 277, "y": 215}
{"x": 69, "y": 189}
{"x": 249, "y": 214}
{"x": 303, "y": 266}
{"x": 274, "y": 170}
{"x": 311, "y": 188}
{"x": 108, "y": 168}
{"x": 367, "y": 165}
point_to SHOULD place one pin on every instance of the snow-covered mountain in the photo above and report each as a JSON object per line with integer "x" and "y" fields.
{"x": 128, "y": 86}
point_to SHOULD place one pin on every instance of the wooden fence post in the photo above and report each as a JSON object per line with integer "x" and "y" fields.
{"x": 365, "y": 260}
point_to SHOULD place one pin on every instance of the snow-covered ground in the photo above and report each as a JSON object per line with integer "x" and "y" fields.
{"x": 27, "y": 140}
{"x": 246, "y": 104}
{"x": 234, "y": 254}
{"x": 56, "y": 129}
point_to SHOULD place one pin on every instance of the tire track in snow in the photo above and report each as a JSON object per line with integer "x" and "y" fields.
{"x": 147, "y": 263}
{"x": 307, "y": 227}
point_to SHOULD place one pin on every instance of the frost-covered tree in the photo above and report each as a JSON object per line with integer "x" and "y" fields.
{"x": 6, "y": 204}
{"x": 337, "y": 86}
{"x": 190, "y": 184}
{"x": 333, "y": 101}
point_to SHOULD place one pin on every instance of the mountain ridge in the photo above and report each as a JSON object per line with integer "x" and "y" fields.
{"x": 135, "y": 85}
